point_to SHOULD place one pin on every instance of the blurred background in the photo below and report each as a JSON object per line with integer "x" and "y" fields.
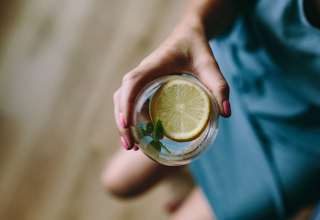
{"x": 60, "y": 62}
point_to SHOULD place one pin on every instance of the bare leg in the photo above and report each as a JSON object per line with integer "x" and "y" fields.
{"x": 131, "y": 173}
{"x": 195, "y": 207}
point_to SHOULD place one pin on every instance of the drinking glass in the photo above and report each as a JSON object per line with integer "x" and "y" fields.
{"x": 167, "y": 151}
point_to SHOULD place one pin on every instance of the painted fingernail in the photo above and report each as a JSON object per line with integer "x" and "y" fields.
{"x": 226, "y": 108}
{"x": 123, "y": 122}
{"x": 135, "y": 147}
{"x": 124, "y": 143}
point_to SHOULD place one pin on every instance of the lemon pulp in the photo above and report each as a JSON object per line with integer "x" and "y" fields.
{"x": 183, "y": 107}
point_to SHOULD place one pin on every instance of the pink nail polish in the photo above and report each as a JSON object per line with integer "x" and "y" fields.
{"x": 124, "y": 143}
{"x": 122, "y": 121}
{"x": 226, "y": 108}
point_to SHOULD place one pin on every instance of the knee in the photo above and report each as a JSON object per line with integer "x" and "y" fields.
{"x": 114, "y": 184}
{"x": 130, "y": 174}
{"x": 115, "y": 175}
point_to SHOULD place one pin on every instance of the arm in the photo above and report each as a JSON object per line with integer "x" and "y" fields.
{"x": 185, "y": 50}
{"x": 215, "y": 16}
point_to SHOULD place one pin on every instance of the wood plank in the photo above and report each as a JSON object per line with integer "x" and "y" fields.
{"x": 60, "y": 61}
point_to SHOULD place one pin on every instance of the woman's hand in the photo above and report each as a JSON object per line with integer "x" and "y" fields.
{"x": 185, "y": 50}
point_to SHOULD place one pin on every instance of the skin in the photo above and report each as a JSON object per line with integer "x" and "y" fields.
{"x": 146, "y": 174}
{"x": 185, "y": 50}
{"x": 142, "y": 176}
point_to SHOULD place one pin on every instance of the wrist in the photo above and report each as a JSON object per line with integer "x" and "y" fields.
{"x": 192, "y": 24}
{"x": 213, "y": 17}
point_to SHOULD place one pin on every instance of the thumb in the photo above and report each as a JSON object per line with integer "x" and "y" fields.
{"x": 210, "y": 75}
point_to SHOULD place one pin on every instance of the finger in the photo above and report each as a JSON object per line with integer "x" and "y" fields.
{"x": 125, "y": 139}
{"x": 209, "y": 73}
{"x": 134, "y": 82}
{"x": 116, "y": 99}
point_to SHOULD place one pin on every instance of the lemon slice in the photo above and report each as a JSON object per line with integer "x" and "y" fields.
{"x": 183, "y": 108}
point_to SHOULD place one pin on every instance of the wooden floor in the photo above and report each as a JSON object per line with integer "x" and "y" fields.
{"x": 60, "y": 61}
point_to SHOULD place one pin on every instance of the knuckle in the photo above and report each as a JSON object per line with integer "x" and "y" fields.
{"x": 131, "y": 76}
{"x": 146, "y": 60}
{"x": 222, "y": 87}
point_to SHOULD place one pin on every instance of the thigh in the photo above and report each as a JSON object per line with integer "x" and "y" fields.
{"x": 195, "y": 207}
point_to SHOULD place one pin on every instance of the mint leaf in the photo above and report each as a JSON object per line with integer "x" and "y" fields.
{"x": 142, "y": 129}
{"x": 156, "y": 145}
{"x": 143, "y": 132}
{"x": 149, "y": 128}
{"x": 164, "y": 147}
{"x": 158, "y": 131}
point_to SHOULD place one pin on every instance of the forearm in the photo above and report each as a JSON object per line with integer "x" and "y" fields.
{"x": 215, "y": 16}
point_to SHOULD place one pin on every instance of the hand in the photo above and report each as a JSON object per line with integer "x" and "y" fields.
{"x": 185, "y": 50}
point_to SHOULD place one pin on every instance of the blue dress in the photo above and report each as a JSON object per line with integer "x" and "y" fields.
{"x": 265, "y": 162}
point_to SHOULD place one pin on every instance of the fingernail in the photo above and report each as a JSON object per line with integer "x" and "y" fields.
{"x": 123, "y": 122}
{"x": 135, "y": 147}
{"x": 226, "y": 108}
{"x": 124, "y": 143}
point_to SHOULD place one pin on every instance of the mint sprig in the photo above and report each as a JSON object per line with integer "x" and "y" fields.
{"x": 156, "y": 132}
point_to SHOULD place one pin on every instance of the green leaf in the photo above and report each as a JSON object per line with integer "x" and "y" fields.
{"x": 158, "y": 131}
{"x": 149, "y": 128}
{"x": 143, "y": 132}
{"x": 156, "y": 145}
{"x": 142, "y": 129}
{"x": 164, "y": 147}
